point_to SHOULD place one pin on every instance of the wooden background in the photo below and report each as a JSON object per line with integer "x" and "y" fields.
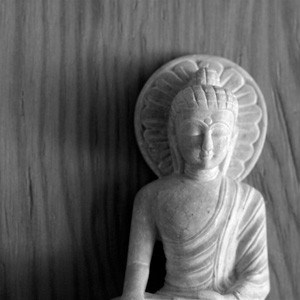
{"x": 70, "y": 74}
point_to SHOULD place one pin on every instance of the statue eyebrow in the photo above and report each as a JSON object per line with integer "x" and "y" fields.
{"x": 202, "y": 123}
{"x": 220, "y": 122}
{"x": 212, "y": 125}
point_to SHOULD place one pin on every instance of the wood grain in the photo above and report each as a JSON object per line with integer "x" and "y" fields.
{"x": 70, "y": 74}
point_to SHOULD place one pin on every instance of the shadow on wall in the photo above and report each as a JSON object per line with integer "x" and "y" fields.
{"x": 123, "y": 168}
{"x": 84, "y": 171}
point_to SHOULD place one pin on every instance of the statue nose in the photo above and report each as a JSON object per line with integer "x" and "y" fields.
{"x": 207, "y": 144}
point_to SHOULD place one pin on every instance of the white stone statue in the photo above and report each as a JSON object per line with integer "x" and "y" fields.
{"x": 200, "y": 124}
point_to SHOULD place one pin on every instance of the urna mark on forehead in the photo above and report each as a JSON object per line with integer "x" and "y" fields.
{"x": 204, "y": 99}
{"x": 206, "y": 116}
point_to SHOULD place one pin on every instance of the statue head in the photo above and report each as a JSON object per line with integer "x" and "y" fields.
{"x": 202, "y": 121}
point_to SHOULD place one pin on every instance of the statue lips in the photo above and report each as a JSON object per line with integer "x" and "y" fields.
{"x": 207, "y": 155}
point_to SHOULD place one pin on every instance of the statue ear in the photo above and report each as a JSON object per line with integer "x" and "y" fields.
{"x": 177, "y": 160}
{"x": 227, "y": 160}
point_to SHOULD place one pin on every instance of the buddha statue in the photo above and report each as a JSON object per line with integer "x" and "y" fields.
{"x": 212, "y": 227}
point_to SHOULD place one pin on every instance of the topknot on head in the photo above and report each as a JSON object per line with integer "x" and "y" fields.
{"x": 205, "y": 76}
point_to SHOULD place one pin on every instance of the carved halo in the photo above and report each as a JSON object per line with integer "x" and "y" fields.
{"x": 155, "y": 99}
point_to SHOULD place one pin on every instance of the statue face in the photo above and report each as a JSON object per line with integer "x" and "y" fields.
{"x": 204, "y": 136}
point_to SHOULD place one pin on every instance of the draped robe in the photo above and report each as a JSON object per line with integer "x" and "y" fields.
{"x": 229, "y": 255}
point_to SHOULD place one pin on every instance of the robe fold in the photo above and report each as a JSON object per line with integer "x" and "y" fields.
{"x": 229, "y": 255}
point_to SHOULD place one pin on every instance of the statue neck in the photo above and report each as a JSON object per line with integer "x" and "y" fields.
{"x": 201, "y": 175}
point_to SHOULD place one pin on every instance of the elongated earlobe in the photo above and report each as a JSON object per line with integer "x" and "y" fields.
{"x": 177, "y": 160}
{"x": 227, "y": 160}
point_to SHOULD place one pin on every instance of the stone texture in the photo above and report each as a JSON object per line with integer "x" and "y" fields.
{"x": 201, "y": 142}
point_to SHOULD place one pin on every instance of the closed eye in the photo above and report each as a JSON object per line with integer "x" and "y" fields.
{"x": 220, "y": 130}
{"x": 219, "y": 133}
{"x": 191, "y": 129}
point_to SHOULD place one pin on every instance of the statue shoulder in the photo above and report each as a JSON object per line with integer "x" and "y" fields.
{"x": 249, "y": 196}
{"x": 158, "y": 184}
{"x": 249, "y": 189}
{"x": 149, "y": 193}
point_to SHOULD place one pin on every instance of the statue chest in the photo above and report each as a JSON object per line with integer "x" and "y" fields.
{"x": 181, "y": 214}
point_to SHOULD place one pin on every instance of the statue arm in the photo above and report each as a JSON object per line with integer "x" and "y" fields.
{"x": 252, "y": 269}
{"x": 142, "y": 238}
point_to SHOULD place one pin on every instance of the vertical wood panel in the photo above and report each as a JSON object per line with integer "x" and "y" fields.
{"x": 70, "y": 74}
